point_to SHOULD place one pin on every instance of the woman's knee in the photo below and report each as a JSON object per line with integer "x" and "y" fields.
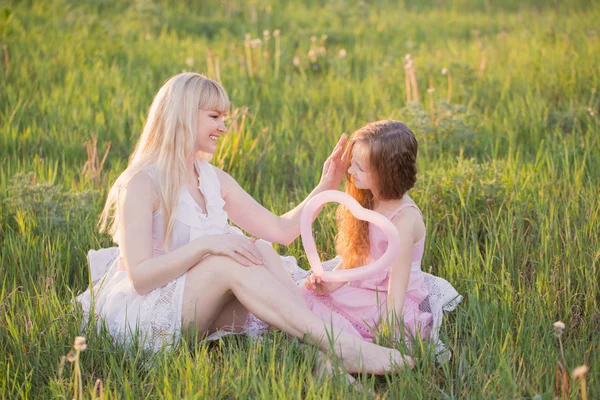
{"x": 266, "y": 248}
{"x": 212, "y": 267}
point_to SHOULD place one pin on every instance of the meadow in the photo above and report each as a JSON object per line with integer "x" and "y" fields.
{"x": 502, "y": 95}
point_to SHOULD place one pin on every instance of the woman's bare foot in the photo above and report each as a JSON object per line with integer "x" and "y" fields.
{"x": 359, "y": 356}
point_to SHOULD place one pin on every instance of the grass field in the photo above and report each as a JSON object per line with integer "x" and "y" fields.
{"x": 509, "y": 175}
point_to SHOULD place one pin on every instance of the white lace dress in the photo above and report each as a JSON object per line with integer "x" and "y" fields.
{"x": 155, "y": 318}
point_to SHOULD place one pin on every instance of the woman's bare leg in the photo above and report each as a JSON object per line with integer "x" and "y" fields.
{"x": 274, "y": 265}
{"x": 211, "y": 283}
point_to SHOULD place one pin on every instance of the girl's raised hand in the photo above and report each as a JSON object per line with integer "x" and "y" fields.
{"x": 334, "y": 167}
{"x": 240, "y": 248}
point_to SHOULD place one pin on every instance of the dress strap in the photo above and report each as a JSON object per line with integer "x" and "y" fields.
{"x": 402, "y": 207}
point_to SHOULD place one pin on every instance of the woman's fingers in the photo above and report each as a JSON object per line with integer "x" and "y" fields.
{"x": 244, "y": 252}
{"x": 242, "y": 260}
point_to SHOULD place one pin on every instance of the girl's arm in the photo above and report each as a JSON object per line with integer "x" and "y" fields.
{"x": 249, "y": 215}
{"x": 406, "y": 222}
{"x": 146, "y": 273}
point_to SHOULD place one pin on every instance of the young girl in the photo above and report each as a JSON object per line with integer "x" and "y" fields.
{"x": 381, "y": 170}
{"x": 181, "y": 266}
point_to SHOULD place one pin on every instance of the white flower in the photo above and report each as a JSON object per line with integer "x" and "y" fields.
{"x": 297, "y": 61}
{"x": 579, "y": 372}
{"x": 342, "y": 53}
{"x": 559, "y": 328}
{"x": 276, "y": 32}
{"x": 189, "y": 62}
{"x": 444, "y": 71}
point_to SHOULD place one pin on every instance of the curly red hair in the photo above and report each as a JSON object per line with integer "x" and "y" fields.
{"x": 392, "y": 153}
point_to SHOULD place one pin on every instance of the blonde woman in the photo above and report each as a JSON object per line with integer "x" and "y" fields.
{"x": 181, "y": 265}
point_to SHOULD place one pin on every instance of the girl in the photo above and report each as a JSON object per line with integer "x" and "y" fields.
{"x": 381, "y": 170}
{"x": 181, "y": 266}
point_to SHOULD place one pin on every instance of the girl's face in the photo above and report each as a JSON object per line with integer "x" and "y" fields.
{"x": 360, "y": 168}
{"x": 210, "y": 128}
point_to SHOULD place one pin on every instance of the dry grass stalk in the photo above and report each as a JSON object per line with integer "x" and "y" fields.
{"x": 93, "y": 166}
{"x": 482, "y": 65}
{"x": 98, "y": 388}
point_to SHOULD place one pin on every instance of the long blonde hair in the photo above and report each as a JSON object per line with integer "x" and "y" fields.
{"x": 166, "y": 142}
{"x": 392, "y": 149}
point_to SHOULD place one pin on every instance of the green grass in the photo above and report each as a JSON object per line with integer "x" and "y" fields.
{"x": 509, "y": 176}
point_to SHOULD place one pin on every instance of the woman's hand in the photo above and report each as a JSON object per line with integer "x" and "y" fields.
{"x": 334, "y": 167}
{"x": 240, "y": 248}
{"x": 320, "y": 288}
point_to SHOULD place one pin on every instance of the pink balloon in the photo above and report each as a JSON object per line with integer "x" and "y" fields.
{"x": 353, "y": 274}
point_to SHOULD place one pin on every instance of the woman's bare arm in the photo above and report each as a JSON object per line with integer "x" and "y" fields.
{"x": 146, "y": 273}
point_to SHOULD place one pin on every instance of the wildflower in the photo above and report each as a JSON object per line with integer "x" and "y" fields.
{"x": 255, "y": 43}
{"x": 430, "y": 90}
{"x": 72, "y": 356}
{"x": 342, "y": 53}
{"x": 247, "y": 36}
{"x": 559, "y": 328}
{"x": 591, "y": 111}
{"x": 407, "y": 57}
{"x": 321, "y": 50}
{"x": 276, "y": 32}
{"x": 313, "y": 39}
{"x": 312, "y": 55}
{"x": 266, "y": 34}
{"x": 189, "y": 62}
{"x": 579, "y": 372}
{"x": 297, "y": 61}
{"x": 324, "y": 37}
{"x": 444, "y": 71}
{"x": 79, "y": 343}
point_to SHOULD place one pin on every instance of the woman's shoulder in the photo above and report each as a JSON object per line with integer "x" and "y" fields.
{"x": 141, "y": 187}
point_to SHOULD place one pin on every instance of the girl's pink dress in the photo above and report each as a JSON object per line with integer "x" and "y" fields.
{"x": 357, "y": 307}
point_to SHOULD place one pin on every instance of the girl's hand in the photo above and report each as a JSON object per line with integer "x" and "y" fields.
{"x": 318, "y": 287}
{"x": 334, "y": 167}
{"x": 240, "y": 248}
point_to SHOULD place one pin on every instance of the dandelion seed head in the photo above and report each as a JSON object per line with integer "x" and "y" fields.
{"x": 444, "y": 71}
{"x": 559, "y": 328}
{"x": 579, "y": 372}
{"x": 297, "y": 61}
{"x": 266, "y": 33}
{"x": 72, "y": 356}
{"x": 276, "y": 32}
{"x": 342, "y": 53}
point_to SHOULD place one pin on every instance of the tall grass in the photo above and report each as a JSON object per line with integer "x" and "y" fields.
{"x": 509, "y": 174}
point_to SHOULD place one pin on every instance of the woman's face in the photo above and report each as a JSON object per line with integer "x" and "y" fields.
{"x": 210, "y": 128}
{"x": 360, "y": 168}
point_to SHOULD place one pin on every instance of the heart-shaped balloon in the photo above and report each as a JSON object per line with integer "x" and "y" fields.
{"x": 353, "y": 274}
